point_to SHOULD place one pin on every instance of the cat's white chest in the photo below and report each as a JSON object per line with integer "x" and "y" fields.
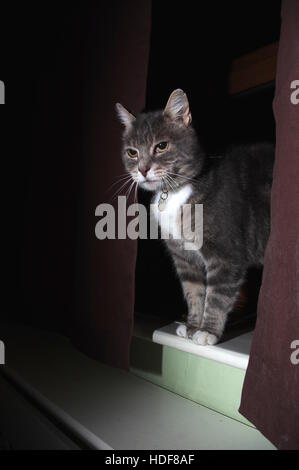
{"x": 170, "y": 218}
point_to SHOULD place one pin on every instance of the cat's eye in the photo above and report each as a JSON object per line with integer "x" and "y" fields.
{"x": 132, "y": 153}
{"x": 161, "y": 147}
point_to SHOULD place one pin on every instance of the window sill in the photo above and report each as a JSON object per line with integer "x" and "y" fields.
{"x": 108, "y": 408}
{"x": 234, "y": 352}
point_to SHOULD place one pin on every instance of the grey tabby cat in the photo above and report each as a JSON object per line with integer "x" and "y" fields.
{"x": 161, "y": 150}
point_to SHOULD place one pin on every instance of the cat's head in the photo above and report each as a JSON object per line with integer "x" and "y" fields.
{"x": 160, "y": 148}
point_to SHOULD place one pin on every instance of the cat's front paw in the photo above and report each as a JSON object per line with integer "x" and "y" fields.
{"x": 204, "y": 338}
{"x": 181, "y": 331}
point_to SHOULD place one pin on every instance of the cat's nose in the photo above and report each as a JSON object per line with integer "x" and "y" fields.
{"x": 143, "y": 170}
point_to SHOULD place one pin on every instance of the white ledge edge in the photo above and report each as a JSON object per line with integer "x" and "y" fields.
{"x": 234, "y": 352}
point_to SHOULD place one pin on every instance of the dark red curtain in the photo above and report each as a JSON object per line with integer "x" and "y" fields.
{"x": 270, "y": 396}
{"x": 86, "y": 59}
{"x": 106, "y": 269}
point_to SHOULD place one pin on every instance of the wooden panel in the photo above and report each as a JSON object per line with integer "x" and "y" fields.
{"x": 254, "y": 69}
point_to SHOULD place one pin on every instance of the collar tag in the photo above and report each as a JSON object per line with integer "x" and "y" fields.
{"x": 163, "y": 200}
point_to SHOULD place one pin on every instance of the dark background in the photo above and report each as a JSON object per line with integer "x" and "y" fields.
{"x": 192, "y": 48}
{"x": 43, "y": 58}
{"x": 45, "y": 64}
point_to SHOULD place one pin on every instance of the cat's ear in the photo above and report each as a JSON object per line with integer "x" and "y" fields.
{"x": 178, "y": 109}
{"x": 124, "y": 116}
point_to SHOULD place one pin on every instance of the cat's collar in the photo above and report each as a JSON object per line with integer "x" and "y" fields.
{"x": 163, "y": 198}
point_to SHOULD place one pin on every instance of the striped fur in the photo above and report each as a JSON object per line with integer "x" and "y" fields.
{"x": 235, "y": 192}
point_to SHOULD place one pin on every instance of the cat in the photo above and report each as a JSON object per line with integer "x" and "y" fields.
{"x": 162, "y": 153}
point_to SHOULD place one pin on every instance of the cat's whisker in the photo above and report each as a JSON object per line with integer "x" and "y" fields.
{"x": 123, "y": 174}
{"x": 182, "y": 176}
{"x": 163, "y": 181}
{"x": 121, "y": 180}
{"x": 169, "y": 182}
{"x": 172, "y": 180}
{"x": 117, "y": 193}
{"x": 124, "y": 185}
{"x": 130, "y": 189}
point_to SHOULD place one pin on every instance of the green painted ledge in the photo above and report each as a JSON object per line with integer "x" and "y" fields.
{"x": 204, "y": 381}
